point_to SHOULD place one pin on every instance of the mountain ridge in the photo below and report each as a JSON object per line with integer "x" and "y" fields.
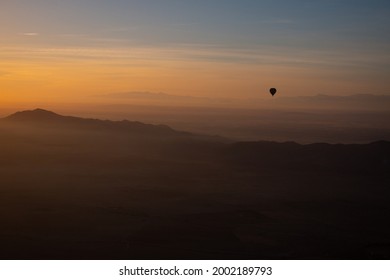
{"x": 48, "y": 117}
{"x": 41, "y": 118}
{"x": 45, "y": 118}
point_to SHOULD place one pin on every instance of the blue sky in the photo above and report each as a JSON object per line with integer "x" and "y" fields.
{"x": 351, "y": 36}
{"x": 230, "y": 23}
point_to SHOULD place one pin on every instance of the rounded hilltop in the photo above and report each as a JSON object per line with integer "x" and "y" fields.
{"x": 33, "y": 115}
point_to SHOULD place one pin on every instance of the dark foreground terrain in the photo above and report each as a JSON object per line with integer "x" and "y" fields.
{"x": 75, "y": 188}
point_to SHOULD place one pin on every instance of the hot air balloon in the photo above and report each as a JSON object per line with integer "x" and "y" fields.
{"x": 272, "y": 91}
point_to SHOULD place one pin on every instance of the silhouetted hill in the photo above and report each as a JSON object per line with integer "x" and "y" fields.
{"x": 34, "y": 115}
{"x": 48, "y": 118}
{"x": 56, "y": 129}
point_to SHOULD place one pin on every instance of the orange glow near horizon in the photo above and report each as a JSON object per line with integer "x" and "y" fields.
{"x": 73, "y": 51}
{"x": 79, "y": 74}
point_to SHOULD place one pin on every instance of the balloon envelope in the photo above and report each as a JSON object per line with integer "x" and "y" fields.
{"x": 272, "y": 91}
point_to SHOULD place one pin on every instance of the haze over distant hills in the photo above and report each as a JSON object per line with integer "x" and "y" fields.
{"x": 281, "y": 100}
{"x": 359, "y": 118}
{"x": 163, "y": 99}
{"x": 276, "y": 124}
{"x": 364, "y": 102}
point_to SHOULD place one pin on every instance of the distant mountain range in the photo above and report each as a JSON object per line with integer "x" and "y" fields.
{"x": 356, "y": 101}
{"x": 160, "y": 98}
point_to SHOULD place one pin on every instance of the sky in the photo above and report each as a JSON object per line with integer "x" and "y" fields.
{"x": 74, "y": 50}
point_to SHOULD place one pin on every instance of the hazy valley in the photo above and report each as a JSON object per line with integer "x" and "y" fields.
{"x": 307, "y": 119}
{"x": 74, "y": 188}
